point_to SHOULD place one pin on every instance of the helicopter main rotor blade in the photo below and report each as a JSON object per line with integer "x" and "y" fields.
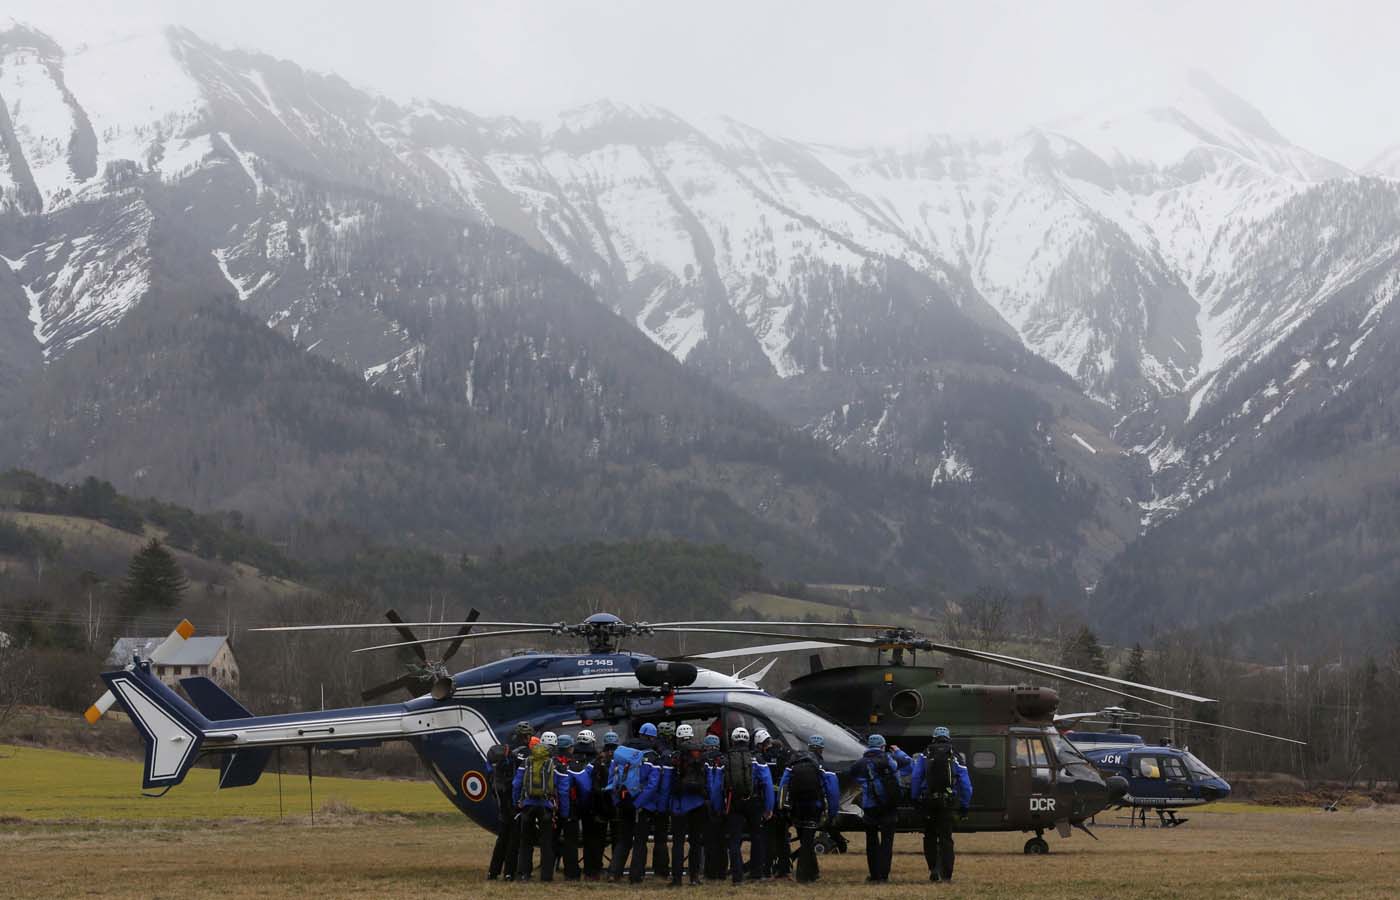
{"x": 766, "y": 624}
{"x": 350, "y": 626}
{"x": 455, "y": 637}
{"x": 465, "y": 630}
{"x": 763, "y": 650}
{"x": 989, "y": 656}
{"x": 406, "y": 633}
{"x": 1045, "y": 670}
{"x": 1225, "y": 727}
{"x": 406, "y": 682}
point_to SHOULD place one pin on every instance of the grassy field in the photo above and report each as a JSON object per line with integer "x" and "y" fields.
{"x": 101, "y": 838}
{"x": 56, "y": 786}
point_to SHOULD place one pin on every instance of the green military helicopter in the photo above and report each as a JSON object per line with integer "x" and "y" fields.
{"x": 1026, "y": 777}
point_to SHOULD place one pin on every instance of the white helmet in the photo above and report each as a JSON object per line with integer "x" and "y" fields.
{"x": 549, "y": 739}
{"x": 586, "y": 736}
{"x": 684, "y": 732}
{"x": 739, "y": 735}
{"x": 760, "y": 736}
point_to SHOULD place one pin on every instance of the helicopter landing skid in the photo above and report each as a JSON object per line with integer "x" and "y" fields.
{"x": 1166, "y": 818}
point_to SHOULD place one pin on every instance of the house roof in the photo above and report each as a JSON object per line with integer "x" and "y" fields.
{"x": 195, "y": 651}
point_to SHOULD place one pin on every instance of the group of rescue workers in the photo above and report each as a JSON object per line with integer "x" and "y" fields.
{"x": 572, "y": 798}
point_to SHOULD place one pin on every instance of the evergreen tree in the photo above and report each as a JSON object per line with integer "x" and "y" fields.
{"x": 1136, "y": 670}
{"x": 1083, "y": 651}
{"x": 153, "y": 578}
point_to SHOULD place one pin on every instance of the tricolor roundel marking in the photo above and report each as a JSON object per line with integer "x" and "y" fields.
{"x": 474, "y": 786}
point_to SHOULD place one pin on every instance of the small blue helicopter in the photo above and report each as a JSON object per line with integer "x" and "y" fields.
{"x": 1161, "y": 777}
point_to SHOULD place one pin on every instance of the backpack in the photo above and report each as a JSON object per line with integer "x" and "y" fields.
{"x": 938, "y": 775}
{"x": 738, "y": 774}
{"x": 805, "y": 781}
{"x": 627, "y": 770}
{"x": 539, "y": 774}
{"x": 884, "y": 782}
{"x": 692, "y": 771}
{"x": 502, "y": 768}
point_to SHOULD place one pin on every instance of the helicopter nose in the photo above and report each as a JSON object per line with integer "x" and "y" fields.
{"x": 1117, "y": 788}
{"x": 1215, "y": 789}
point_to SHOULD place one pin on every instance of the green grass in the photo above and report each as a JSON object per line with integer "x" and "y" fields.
{"x": 53, "y": 785}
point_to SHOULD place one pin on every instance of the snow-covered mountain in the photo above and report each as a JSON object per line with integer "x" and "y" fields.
{"x": 1090, "y": 315}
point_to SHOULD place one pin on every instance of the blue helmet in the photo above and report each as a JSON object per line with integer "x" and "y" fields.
{"x": 875, "y": 742}
{"x": 941, "y": 733}
{"x": 711, "y": 740}
{"x": 648, "y": 730}
{"x": 816, "y": 742}
{"x": 565, "y": 741}
{"x": 611, "y": 739}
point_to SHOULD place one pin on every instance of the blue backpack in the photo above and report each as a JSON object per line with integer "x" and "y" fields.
{"x": 627, "y": 771}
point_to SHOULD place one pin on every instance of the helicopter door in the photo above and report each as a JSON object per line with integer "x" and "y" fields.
{"x": 986, "y": 767}
{"x": 1030, "y": 781}
{"x": 1178, "y": 783}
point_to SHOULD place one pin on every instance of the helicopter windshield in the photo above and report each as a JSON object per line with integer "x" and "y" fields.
{"x": 795, "y": 724}
{"x": 1065, "y": 752}
{"x": 1197, "y": 768}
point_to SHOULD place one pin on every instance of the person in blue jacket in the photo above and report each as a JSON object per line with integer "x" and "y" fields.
{"x": 877, "y": 773}
{"x": 689, "y": 777}
{"x": 541, "y": 793}
{"x": 635, "y": 809}
{"x": 940, "y": 785}
{"x": 716, "y": 852}
{"x": 745, "y": 803}
{"x": 812, "y": 797}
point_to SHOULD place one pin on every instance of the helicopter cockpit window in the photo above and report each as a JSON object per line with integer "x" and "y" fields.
{"x": 1173, "y": 769}
{"x": 1030, "y": 753}
{"x": 1066, "y": 753}
{"x": 1198, "y": 768}
{"x": 792, "y": 724}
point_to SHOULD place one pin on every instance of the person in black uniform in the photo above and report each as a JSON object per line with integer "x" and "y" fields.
{"x": 776, "y": 756}
{"x": 504, "y": 759}
{"x": 593, "y": 818}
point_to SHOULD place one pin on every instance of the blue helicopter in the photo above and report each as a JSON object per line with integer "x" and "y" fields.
{"x": 1161, "y": 777}
{"x": 460, "y": 717}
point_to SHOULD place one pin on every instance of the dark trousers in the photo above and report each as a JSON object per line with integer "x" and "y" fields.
{"x": 938, "y": 842}
{"x": 536, "y": 825}
{"x": 716, "y": 850}
{"x": 879, "y": 844}
{"x": 566, "y": 839}
{"x": 507, "y": 838}
{"x": 744, "y": 816}
{"x": 807, "y": 818}
{"x": 778, "y": 845}
{"x": 633, "y": 835}
{"x": 661, "y": 852}
{"x": 690, "y": 825}
{"x": 595, "y": 836}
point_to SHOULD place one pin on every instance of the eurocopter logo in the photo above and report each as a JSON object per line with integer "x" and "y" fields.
{"x": 595, "y": 662}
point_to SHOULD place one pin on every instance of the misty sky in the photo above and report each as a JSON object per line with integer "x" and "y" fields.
{"x": 1325, "y": 74}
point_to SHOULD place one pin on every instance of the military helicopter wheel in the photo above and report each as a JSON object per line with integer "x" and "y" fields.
{"x": 1037, "y": 846}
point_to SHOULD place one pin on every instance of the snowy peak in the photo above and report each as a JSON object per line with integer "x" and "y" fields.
{"x": 1386, "y": 164}
{"x": 1166, "y": 127}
